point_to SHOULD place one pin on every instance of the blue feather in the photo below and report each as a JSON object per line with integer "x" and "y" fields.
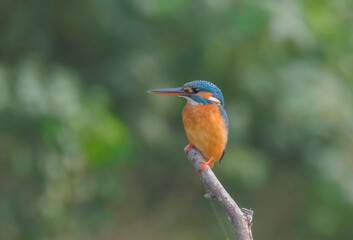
{"x": 224, "y": 116}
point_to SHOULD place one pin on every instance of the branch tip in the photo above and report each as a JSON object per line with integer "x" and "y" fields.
{"x": 248, "y": 214}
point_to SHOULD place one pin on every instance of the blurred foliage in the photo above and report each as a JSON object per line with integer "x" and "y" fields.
{"x": 87, "y": 154}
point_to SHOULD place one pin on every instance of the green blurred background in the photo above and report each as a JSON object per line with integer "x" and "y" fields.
{"x": 86, "y": 153}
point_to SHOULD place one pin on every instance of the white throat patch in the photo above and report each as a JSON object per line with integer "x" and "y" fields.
{"x": 192, "y": 102}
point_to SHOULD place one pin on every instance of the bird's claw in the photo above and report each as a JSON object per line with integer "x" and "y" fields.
{"x": 205, "y": 164}
{"x": 189, "y": 147}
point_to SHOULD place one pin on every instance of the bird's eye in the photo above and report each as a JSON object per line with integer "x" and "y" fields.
{"x": 195, "y": 90}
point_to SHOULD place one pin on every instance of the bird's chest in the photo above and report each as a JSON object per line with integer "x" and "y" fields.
{"x": 201, "y": 117}
{"x": 205, "y": 128}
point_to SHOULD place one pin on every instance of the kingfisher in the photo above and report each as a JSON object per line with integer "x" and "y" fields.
{"x": 204, "y": 118}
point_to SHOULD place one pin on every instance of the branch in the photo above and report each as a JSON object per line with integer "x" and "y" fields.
{"x": 241, "y": 219}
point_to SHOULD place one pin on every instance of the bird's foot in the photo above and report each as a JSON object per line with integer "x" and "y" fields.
{"x": 206, "y": 163}
{"x": 189, "y": 147}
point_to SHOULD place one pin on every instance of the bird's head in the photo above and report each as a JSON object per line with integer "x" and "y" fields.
{"x": 196, "y": 92}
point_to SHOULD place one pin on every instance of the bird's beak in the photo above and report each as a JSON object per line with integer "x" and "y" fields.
{"x": 169, "y": 91}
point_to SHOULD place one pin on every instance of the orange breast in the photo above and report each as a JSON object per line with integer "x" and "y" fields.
{"x": 205, "y": 129}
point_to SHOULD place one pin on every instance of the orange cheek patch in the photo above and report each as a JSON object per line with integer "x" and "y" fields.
{"x": 204, "y": 95}
{"x": 187, "y": 89}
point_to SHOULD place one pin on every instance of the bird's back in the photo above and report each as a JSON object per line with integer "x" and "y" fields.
{"x": 206, "y": 128}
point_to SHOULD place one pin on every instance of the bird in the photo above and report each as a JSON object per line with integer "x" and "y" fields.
{"x": 204, "y": 118}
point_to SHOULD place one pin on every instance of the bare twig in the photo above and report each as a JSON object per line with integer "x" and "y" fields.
{"x": 240, "y": 219}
